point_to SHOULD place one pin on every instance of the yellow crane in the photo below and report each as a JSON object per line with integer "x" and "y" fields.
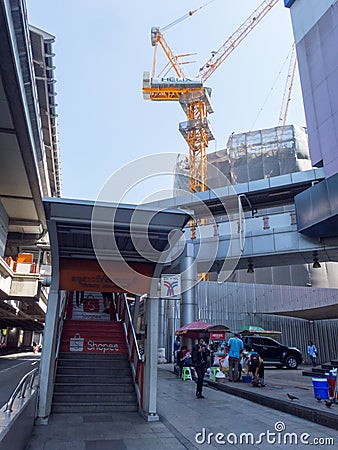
{"x": 191, "y": 93}
{"x": 287, "y": 91}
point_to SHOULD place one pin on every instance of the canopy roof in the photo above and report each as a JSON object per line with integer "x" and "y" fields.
{"x": 194, "y": 328}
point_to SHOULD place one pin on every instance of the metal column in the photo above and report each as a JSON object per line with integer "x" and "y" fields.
{"x": 189, "y": 277}
{"x": 150, "y": 370}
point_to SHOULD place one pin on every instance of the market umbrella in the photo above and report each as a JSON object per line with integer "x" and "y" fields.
{"x": 194, "y": 329}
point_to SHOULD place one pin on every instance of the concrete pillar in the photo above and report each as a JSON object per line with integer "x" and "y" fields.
{"x": 161, "y": 323}
{"x": 136, "y": 312}
{"x": 188, "y": 280}
{"x": 47, "y": 363}
{"x": 150, "y": 359}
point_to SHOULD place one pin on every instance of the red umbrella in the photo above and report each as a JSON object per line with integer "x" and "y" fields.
{"x": 194, "y": 329}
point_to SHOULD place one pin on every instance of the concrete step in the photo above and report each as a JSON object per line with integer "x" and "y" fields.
{"x": 327, "y": 367}
{"x": 319, "y": 371}
{"x": 92, "y": 408}
{"x": 94, "y": 388}
{"x": 92, "y": 324}
{"x": 77, "y": 379}
{"x": 93, "y": 332}
{"x": 95, "y": 356}
{"x": 112, "y": 364}
{"x": 92, "y": 370}
{"x": 100, "y": 350}
{"x": 95, "y": 397}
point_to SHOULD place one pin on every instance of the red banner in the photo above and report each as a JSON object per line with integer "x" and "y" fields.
{"x": 219, "y": 336}
{"x": 87, "y": 275}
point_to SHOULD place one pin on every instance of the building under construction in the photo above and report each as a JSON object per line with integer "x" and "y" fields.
{"x": 257, "y": 155}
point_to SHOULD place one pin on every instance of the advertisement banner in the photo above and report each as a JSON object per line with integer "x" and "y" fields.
{"x": 217, "y": 336}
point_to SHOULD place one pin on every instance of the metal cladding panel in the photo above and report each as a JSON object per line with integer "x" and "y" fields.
{"x": 317, "y": 209}
{"x": 237, "y": 305}
{"x": 316, "y": 35}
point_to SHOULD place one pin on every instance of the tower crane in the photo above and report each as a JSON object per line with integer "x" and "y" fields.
{"x": 192, "y": 95}
{"x": 287, "y": 91}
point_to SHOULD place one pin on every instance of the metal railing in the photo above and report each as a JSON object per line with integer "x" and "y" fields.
{"x": 25, "y": 384}
{"x": 137, "y": 364}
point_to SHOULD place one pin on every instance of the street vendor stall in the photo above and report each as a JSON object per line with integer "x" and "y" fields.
{"x": 197, "y": 329}
{"x": 213, "y": 334}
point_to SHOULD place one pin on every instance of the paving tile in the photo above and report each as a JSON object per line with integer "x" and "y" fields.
{"x": 58, "y": 444}
{"x": 116, "y": 444}
{"x": 182, "y": 417}
{"x": 98, "y": 418}
{"x": 154, "y": 444}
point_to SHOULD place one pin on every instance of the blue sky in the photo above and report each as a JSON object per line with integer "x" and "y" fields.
{"x": 102, "y": 49}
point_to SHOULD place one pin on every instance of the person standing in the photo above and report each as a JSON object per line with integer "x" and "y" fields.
{"x": 312, "y": 351}
{"x": 177, "y": 346}
{"x": 200, "y": 361}
{"x": 236, "y": 346}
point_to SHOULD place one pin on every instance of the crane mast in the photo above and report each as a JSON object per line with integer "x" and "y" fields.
{"x": 193, "y": 96}
{"x": 287, "y": 91}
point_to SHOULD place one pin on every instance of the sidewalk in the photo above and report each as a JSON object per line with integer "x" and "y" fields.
{"x": 182, "y": 417}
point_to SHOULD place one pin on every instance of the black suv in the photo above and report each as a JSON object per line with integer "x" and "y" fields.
{"x": 272, "y": 352}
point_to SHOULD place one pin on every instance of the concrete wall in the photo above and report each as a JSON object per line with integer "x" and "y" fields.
{"x": 15, "y": 433}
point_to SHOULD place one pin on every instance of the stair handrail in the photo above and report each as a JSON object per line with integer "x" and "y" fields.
{"x": 61, "y": 319}
{"x": 21, "y": 388}
{"x": 137, "y": 364}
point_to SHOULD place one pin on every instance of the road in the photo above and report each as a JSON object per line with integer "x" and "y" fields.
{"x": 12, "y": 369}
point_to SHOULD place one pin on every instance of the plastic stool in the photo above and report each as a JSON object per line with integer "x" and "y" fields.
{"x": 214, "y": 371}
{"x": 186, "y": 373}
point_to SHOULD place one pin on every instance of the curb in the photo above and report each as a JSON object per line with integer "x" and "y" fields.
{"x": 324, "y": 418}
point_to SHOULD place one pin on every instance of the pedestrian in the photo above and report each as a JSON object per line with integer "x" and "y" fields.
{"x": 79, "y": 296}
{"x": 313, "y": 353}
{"x": 200, "y": 361}
{"x": 35, "y": 348}
{"x": 236, "y": 346}
{"x": 182, "y": 359}
{"x": 107, "y": 298}
{"x": 177, "y": 345}
{"x": 255, "y": 365}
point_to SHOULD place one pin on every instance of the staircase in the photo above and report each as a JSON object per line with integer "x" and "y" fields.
{"x": 93, "y": 372}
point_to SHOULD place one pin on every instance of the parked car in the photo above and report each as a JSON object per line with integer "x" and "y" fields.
{"x": 273, "y": 352}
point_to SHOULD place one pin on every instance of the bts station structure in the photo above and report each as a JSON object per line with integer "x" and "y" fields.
{"x": 274, "y": 265}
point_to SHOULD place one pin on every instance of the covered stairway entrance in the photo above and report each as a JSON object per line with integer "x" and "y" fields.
{"x": 90, "y": 351}
{"x": 93, "y": 371}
